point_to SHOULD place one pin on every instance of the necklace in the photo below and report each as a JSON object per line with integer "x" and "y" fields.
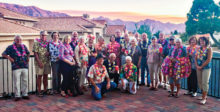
{"x": 69, "y": 49}
{"x": 42, "y": 43}
{"x": 142, "y": 45}
{"x": 109, "y": 65}
{"x": 100, "y": 74}
{"x": 132, "y": 53}
{"x": 82, "y": 49}
{"x": 179, "y": 52}
{"x": 17, "y": 52}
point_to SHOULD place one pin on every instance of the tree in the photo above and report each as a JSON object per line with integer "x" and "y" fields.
{"x": 145, "y": 29}
{"x": 175, "y": 32}
{"x": 203, "y": 18}
{"x": 157, "y": 34}
{"x": 184, "y": 37}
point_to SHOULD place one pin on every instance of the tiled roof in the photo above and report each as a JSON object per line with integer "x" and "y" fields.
{"x": 111, "y": 29}
{"x": 64, "y": 24}
{"x": 7, "y": 26}
{"x": 14, "y": 15}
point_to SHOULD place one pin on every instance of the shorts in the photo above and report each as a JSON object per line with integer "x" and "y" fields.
{"x": 45, "y": 70}
{"x": 171, "y": 80}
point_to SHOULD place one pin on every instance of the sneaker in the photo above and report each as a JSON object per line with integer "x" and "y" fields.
{"x": 203, "y": 101}
{"x": 160, "y": 85}
{"x": 194, "y": 94}
{"x": 199, "y": 98}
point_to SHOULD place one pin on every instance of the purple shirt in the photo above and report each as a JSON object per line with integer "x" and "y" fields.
{"x": 66, "y": 52}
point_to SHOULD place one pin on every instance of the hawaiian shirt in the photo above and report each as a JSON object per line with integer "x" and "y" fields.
{"x": 97, "y": 79}
{"x": 41, "y": 53}
{"x": 54, "y": 51}
{"x": 133, "y": 76}
{"x": 19, "y": 61}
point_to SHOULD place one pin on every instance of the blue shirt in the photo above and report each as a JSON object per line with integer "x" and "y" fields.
{"x": 144, "y": 47}
{"x": 19, "y": 61}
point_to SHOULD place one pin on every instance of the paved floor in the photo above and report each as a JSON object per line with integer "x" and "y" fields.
{"x": 144, "y": 101}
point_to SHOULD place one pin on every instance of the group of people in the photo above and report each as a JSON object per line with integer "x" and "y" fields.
{"x": 124, "y": 64}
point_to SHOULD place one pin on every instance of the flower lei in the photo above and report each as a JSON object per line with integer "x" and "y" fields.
{"x": 109, "y": 65}
{"x": 154, "y": 50}
{"x": 111, "y": 47}
{"x": 179, "y": 52}
{"x": 42, "y": 43}
{"x": 132, "y": 53}
{"x": 163, "y": 43}
{"x": 56, "y": 45}
{"x": 202, "y": 53}
{"x": 128, "y": 70}
{"x": 192, "y": 50}
{"x": 69, "y": 49}
{"x": 82, "y": 49}
{"x": 98, "y": 72}
{"x": 17, "y": 52}
{"x": 142, "y": 45}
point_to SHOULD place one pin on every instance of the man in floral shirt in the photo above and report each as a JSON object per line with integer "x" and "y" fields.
{"x": 97, "y": 74}
{"x": 128, "y": 76}
{"x": 18, "y": 55}
{"x": 42, "y": 61}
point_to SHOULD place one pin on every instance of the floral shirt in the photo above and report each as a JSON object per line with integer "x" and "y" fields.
{"x": 66, "y": 52}
{"x": 81, "y": 54}
{"x": 41, "y": 53}
{"x": 125, "y": 73}
{"x": 153, "y": 54}
{"x": 93, "y": 74}
{"x": 113, "y": 48}
{"x": 192, "y": 54}
{"x": 54, "y": 51}
{"x": 202, "y": 56}
{"x": 19, "y": 61}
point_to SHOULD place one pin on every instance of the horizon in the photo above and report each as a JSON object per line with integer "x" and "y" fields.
{"x": 159, "y": 10}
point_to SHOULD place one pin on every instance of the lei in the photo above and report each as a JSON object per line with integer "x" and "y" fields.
{"x": 202, "y": 53}
{"x": 82, "y": 49}
{"x": 74, "y": 43}
{"x": 154, "y": 49}
{"x": 111, "y": 68}
{"x": 17, "y": 52}
{"x": 163, "y": 43}
{"x": 128, "y": 70}
{"x": 132, "y": 53}
{"x": 111, "y": 47}
{"x": 56, "y": 45}
{"x": 179, "y": 52}
{"x": 192, "y": 50}
{"x": 42, "y": 43}
{"x": 98, "y": 72}
{"x": 69, "y": 49}
{"x": 142, "y": 45}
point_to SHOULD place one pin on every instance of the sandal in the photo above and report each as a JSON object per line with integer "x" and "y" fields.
{"x": 176, "y": 95}
{"x": 64, "y": 95}
{"x": 40, "y": 94}
{"x": 151, "y": 88}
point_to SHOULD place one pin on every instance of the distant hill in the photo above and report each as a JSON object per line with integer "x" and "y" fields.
{"x": 155, "y": 25}
{"x": 32, "y": 10}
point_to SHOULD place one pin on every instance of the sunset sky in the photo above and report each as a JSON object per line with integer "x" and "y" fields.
{"x": 163, "y": 10}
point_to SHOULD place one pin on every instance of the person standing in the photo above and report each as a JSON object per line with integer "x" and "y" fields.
{"x": 203, "y": 67}
{"x": 114, "y": 47}
{"x": 18, "y": 55}
{"x": 42, "y": 62}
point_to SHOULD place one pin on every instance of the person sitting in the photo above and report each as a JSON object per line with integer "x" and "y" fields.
{"x": 128, "y": 76}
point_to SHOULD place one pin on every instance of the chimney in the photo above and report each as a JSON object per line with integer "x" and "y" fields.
{"x": 86, "y": 16}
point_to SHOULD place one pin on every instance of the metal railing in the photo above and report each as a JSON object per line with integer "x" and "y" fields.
{"x": 214, "y": 81}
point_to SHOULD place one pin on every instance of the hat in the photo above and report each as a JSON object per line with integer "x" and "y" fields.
{"x": 172, "y": 38}
{"x": 43, "y": 33}
{"x": 99, "y": 56}
{"x": 154, "y": 37}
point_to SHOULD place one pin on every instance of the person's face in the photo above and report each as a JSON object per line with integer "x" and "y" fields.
{"x": 178, "y": 44}
{"x": 161, "y": 36}
{"x": 100, "y": 61}
{"x": 128, "y": 61}
{"x": 82, "y": 40}
{"x": 202, "y": 42}
{"x": 126, "y": 38}
{"x": 43, "y": 37}
{"x": 67, "y": 40}
{"x": 133, "y": 43}
{"x": 171, "y": 41}
{"x": 55, "y": 36}
{"x": 75, "y": 36}
{"x": 112, "y": 39}
{"x": 193, "y": 42}
{"x": 153, "y": 41}
{"x": 112, "y": 58}
{"x": 118, "y": 34}
{"x": 136, "y": 36}
{"x": 144, "y": 37}
{"x": 18, "y": 41}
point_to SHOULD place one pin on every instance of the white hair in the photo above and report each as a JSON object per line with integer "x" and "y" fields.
{"x": 133, "y": 39}
{"x": 178, "y": 40}
{"x": 128, "y": 58}
{"x": 112, "y": 54}
{"x": 82, "y": 37}
{"x": 16, "y": 36}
